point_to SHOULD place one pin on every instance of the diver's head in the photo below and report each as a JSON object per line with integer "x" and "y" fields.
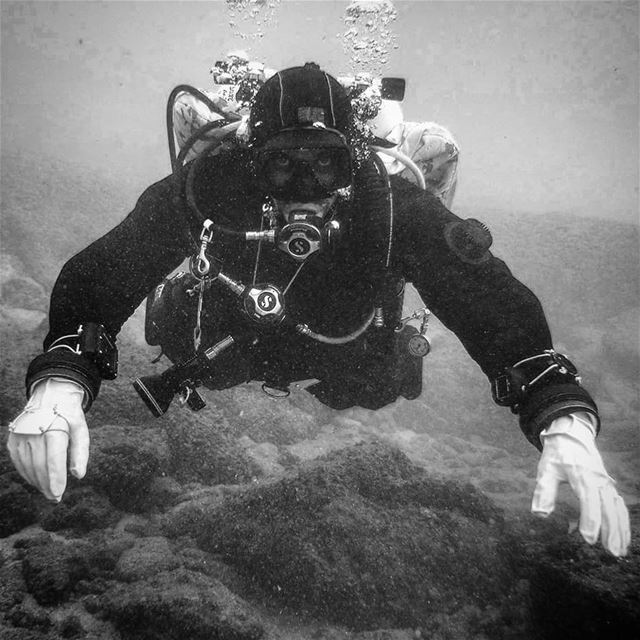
{"x": 299, "y": 122}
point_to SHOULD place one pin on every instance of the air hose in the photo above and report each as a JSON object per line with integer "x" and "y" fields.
{"x": 193, "y": 170}
{"x": 229, "y": 122}
{"x": 223, "y": 128}
{"x": 304, "y": 330}
{"x": 406, "y": 161}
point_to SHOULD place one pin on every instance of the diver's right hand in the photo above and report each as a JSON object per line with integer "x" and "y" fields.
{"x": 52, "y": 422}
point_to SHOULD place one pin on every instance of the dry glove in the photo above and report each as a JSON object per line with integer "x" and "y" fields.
{"x": 570, "y": 455}
{"x": 52, "y": 422}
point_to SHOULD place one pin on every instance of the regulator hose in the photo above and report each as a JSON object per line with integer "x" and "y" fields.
{"x": 223, "y": 128}
{"x": 306, "y": 331}
{"x": 190, "y": 190}
{"x": 406, "y": 161}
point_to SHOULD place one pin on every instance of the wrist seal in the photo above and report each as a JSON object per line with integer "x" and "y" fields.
{"x": 540, "y": 389}
{"x": 69, "y": 365}
{"x": 543, "y": 406}
{"x": 86, "y": 358}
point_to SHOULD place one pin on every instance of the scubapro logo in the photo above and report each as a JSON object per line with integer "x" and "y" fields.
{"x": 267, "y": 301}
{"x": 299, "y": 247}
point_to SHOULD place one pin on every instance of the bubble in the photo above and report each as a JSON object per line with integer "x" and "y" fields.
{"x": 368, "y": 37}
{"x": 250, "y": 18}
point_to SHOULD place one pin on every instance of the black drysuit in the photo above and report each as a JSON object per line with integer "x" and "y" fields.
{"x": 498, "y": 319}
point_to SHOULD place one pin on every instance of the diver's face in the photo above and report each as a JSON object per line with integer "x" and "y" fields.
{"x": 304, "y": 174}
{"x": 327, "y": 167}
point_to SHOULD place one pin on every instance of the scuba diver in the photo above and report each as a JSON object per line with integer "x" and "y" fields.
{"x": 299, "y": 245}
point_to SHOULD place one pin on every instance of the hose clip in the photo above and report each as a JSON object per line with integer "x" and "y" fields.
{"x": 200, "y": 264}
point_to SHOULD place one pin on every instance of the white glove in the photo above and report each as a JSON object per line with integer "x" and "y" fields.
{"x": 570, "y": 455}
{"x": 52, "y": 421}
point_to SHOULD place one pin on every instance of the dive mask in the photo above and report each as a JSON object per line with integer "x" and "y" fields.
{"x": 306, "y": 172}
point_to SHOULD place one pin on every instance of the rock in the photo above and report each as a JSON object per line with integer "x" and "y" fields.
{"x": 264, "y": 456}
{"x": 581, "y": 591}
{"x": 124, "y": 474}
{"x": 203, "y": 451}
{"x": 381, "y": 634}
{"x": 24, "y": 301}
{"x": 50, "y": 571}
{"x": 32, "y": 537}
{"x": 29, "y": 616}
{"x": 139, "y": 526}
{"x": 18, "y": 290}
{"x": 71, "y": 627}
{"x": 13, "y": 633}
{"x": 150, "y": 439}
{"x": 110, "y": 544}
{"x": 81, "y": 510}
{"x": 55, "y": 570}
{"x": 364, "y": 538}
{"x": 200, "y": 561}
{"x": 187, "y": 515}
{"x": 165, "y": 492}
{"x": 621, "y": 346}
{"x": 27, "y": 319}
{"x": 6, "y": 466}
{"x": 12, "y": 585}
{"x": 17, "y": 506}
{"x": 147, "y": 557}
{"x": 176, "y": 605}
{"x": 251, "y": 412}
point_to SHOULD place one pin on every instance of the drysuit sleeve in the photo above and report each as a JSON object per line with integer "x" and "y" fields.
{"x": 499, "y": 321}
{"x": 107, "y": 281}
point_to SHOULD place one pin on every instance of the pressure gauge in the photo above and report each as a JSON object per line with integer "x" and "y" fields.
{"x": 419, "y": 345}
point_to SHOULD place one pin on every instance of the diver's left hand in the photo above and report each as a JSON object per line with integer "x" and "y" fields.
{"x": 570, "y": 455}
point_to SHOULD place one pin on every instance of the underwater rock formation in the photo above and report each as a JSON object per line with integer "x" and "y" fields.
{"x": 361, "y": 537}
{"x": 578, "y": 591}
{"x": 176, "y": 605}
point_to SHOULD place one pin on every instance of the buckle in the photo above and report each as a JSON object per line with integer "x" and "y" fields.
{"x": 513, "y": 385}
{"x": 94, "y": 343}
{"x": 565, "y": 366}
{"x": 503, "y": 391}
